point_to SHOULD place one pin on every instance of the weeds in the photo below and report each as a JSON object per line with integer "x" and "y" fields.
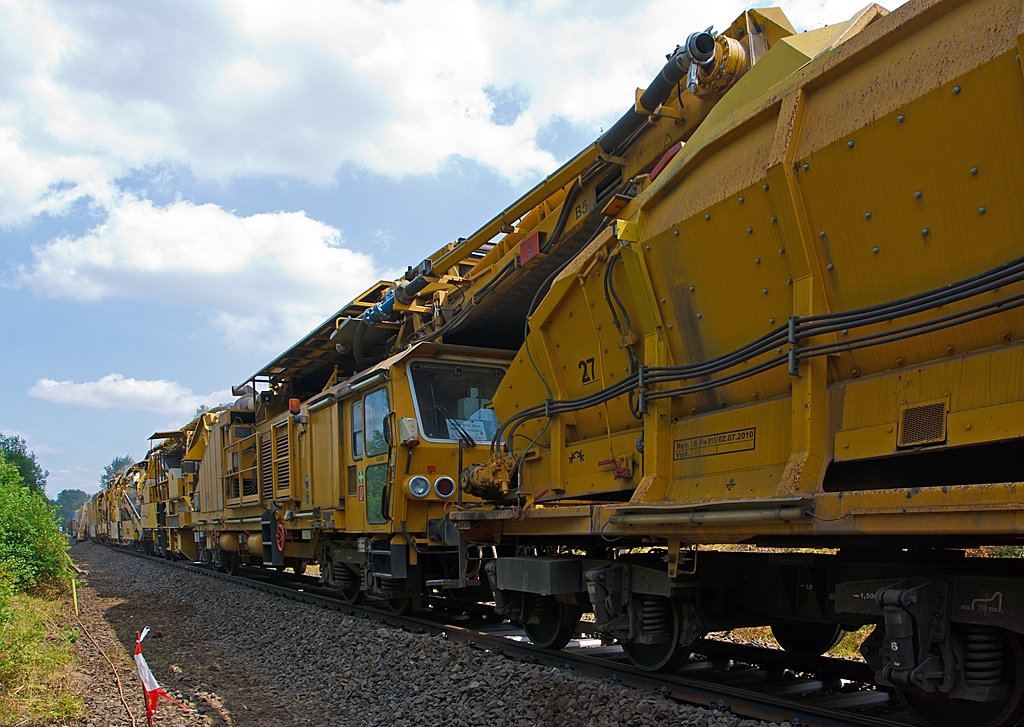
{"x": 37, "y": 662}
{"x": 848, "y": 648}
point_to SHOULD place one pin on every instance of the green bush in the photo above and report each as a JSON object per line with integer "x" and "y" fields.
{"x": 6, "y": 594}
{"x": 33, "y": 552}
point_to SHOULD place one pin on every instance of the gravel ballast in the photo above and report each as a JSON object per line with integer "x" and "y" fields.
{"x": 244, "y": 657}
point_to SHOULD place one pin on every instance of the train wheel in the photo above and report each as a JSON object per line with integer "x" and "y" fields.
{"x": 663, "y": 615}
{"x": 549, "y": 623}
{"x": 299, "y": 567}
{"x": 807, "y": 638}
{"x": 405, "y": 606}
{"x": 941, "y": 711}
{"x": 347, "y": 582}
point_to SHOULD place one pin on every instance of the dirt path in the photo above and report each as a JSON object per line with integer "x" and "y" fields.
{"x": 108, "y": 620}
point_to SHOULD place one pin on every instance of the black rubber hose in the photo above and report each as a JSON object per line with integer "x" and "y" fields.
{"x": 732, "y": 378}
{"x": 916, "y": 329}
{"x": 844, "y": 321}
{"x": 489, "y": 286}
{"x": 829, "y": 323}
{"x": 996, "y": 273}
{"x": 357, "y": 345}
{"x": 615, "y": 296}
{"x": 700, "y": 47}
{"x": 407, "y": 292}
{"x": 660, "y": 374}
{"x": 607, "y": 293}
{"x": 563, "y": 216}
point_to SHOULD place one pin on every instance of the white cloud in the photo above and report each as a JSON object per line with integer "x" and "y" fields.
{"x": 239, "y": 87}
{"x": 33, "y": 183}
{"x": 114, "y": 391}
{"x": 262, "y": 280}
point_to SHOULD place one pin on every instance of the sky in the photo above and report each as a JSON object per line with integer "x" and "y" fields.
{"x": 188, "y": 187}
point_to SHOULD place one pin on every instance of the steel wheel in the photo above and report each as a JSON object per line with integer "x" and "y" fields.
{"x": 807, "y": 638}
{"x": 660, "y": 613}
{"x": 941, "y": 711}
{"x": 405, "y": 606}
{"x": 347, "y": 582}
{"x": 548, "y": 622}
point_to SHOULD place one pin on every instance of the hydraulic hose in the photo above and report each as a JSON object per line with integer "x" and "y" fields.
{"x": 563, "y": 216}
{"x": 700, "y": 49}
{"x": 357, "y": 345}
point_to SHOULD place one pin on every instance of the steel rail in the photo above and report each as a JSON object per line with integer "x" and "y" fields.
{"x": 719, "y": 697}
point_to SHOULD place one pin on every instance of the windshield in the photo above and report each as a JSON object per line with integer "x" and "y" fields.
{"x": 450, "y": 396}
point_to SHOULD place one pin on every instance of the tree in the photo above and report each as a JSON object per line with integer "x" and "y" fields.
{"x": 67, "y": 502}
{"x": 15, "y": 451}
{"x": 202, "y": 409}
{"x": 116, "y": 467}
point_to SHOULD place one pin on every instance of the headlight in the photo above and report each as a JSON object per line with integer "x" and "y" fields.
{"x": 444, "y": 486}
{"x": 419, "y": 487}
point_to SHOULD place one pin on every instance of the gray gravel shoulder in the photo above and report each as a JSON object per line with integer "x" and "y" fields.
{"x": 244, "y": 657}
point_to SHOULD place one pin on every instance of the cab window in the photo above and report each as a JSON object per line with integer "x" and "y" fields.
{"x": 357, "y": 430}
{"x": 451, "y": 396}
{"x": 375, "y": 408}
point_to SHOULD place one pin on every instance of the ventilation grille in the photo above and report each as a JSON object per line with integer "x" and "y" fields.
{"x": 923, "y": 425}
{"x": 266, "y": 467}
{"x": 281, "y": 455}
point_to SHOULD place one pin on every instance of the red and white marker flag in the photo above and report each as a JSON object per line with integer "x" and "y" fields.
{"x": 149, "y": 683}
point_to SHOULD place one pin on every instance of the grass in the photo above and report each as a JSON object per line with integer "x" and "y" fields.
{"x": 997, "y": 551}
{"x": 37, "y": 662}
{"x": 848, "y": 648}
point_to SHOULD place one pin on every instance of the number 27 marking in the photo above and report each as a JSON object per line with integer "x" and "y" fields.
{"x": 588, "y": 370}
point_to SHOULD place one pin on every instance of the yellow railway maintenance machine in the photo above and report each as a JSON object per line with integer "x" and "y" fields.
{"x": 359, "y": 476}
{"x": 121, "y": 501}
{"x": 169, "y": 485}
{"x": 805, "y": 331}
{"x": 112, "y": 515}
{"x": 87, "y": 519}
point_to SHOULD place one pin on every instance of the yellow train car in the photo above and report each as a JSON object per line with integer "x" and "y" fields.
{"x": 803, "y": 332}
{"x": 168, "y": 487}
{"x": 357, "y": 478}
{"x": 112, "y": 514}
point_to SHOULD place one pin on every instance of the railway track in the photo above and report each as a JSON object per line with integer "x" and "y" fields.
{"x": 750, "y": 682}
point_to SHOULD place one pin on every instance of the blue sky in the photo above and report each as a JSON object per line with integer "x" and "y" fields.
{"x": 186, "y": 188}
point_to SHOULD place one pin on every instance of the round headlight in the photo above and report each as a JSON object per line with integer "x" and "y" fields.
{"x": 444, "y": 486}
{"x": 419, "y": 486}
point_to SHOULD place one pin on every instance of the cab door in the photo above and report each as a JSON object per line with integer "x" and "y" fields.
{"x": 376, "y": 454}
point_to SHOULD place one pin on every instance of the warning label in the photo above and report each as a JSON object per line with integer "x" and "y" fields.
{"x": 738, "y": 440}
